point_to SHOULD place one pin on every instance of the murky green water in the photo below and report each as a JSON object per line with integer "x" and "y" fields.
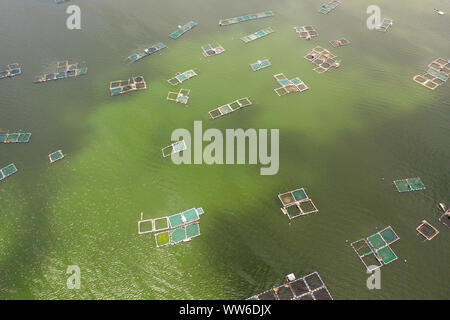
{"x": 358, "y": 128}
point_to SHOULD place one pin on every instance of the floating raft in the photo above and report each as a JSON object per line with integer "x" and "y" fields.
{"x": 306, "y": 32}
{"x": 146, "y": 52}
{"x": 182, "y": 77}
{"x": 323, "y": 59}
{"x": 7, "y": 171}
{"x": 174, "y": 148}
{"x": 427, "y": 230}
{"x": 296, "y": 203}
{"x": 411, "y": 184}
{"x": 181, "y": 96}
{"x": 11, "y": 70}
{"x": 210, "y": 50}
{"x": 64, "y": 70}
{"x": 289, "y": 86}
{"x": 257, "y": 35}
{"x": 248, "y": 17}
{"x": 61, "y": 1}
{"x": 55, "y": 156}
{"x": 125, "y": 86}
{"x": 375, "y": 251}
{"x": 230, "y": 107}
{"x": 260, "y": 64}
{"x": 182, "y": 30}
{"x": 310, "y": 287}
{"x": 339, "y": 43}
{"x": 330, "y": 6}
{"x": 385, "y": 25}
{"x": 15, "y": 137}
{"x": 437, "y": 74}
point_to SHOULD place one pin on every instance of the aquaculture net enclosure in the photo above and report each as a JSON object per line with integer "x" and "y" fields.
{"x": 296, "y": 204}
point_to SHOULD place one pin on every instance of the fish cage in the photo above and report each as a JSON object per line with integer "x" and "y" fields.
{"x": 146, "y": 52}
{"x": 260, "y": 64}
{"x": 248, "y": 17}
{"x": 174, "y": 148}
{"x": 323, "y": 59}
{"x": 427, "y": 230}
{"x": 120, "y": 87}
{"x": 257, "y": 35}
{"x": 340, "y": 42}
{"x": 330, "y": 6}
{"x": 289, "y": 86}
{"x": 212, "y": 50}
{"x": 63, "y": 70}
{"x": 436, "y": 75}
{"x": 230, "y": 107}
{"x": 182, "y": 77}
{"x": 10, "y": 71}
{"x": 385, "y": 25}
{"x": 182, "y": 96}
{"x": 306, "y": 32}
{"x": 8, "y": 171}
{"x": 55, "y": 156}
{"x": 182, "y": 30}
{"x": 15, "y": 137}
{"x": 410, "y": 184}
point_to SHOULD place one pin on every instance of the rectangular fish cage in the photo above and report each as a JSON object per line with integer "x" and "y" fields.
{"x": 174, "y": 148}
{"x": 178, "y": 235}
{"x": 248, "y": 17}
{"x": 63, "y": 70}
{"x": 257, "y": 35}
{"x": 260, "y": 64}
{"x": 427, "y": 230}
{"x": 437, "y": 74}
{"x": 55, "y": 156}
{"x": 323, "y": 59}
{"x": 330, "y": 6}
{"x": 11, "y": 70}
{"x": 385, "y": 25}
{"x": 181, "y": 96}
{"x": 289, "y": 86}
{"x": 61, "y": 1}
{"x": 296, "y": 203}
{"x": 146, "y": 52}
{"x": 340, "y": 43}
{"x": 15, "y": 137}
{"x": 8, "y": 171}
{"x": 230, "y": 107}
{"x": 309, "y": 287}
{"x": 182, "y": 30}
{"x": 306, "y": 32}
{"x": 120, "y": 87}
{"x": 165, "y": 223}
{"x": 410, "y": 184}
{"x": 212, "y": 50}
{"x": 182, "y": 77}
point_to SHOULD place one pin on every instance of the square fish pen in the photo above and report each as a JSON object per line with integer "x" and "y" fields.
{"x": 174, "y": 148}
{"x": 248, "y": 17}
{"x": 385, "y": 25}
{"x": 309, "y": 287}
{"x": 120, "y": 87}
{"x": 15, "y": 137}
{"x": 212, "y": 50}
{"x": 289, "y": 86}
{"x": 229, "y": 108}
{"x": 178, "y": 235}
{"x": 181, "y": 96}
{"x": 260, "y": 64}
{"x": 323, "y": 59}
{"x": 146, "y": 52}
{"x": 296, "y": 203}
{"x": 55, "y": 156}
{"x": 411, "y": 184}
{"x": 63, "y": 70}
{"x": 427, "y": 230}
{"x": 182, "y": 77}
{"x": 306, "y": 32}
{"x": 330, "y": 6}
{"x": 257, "y": 35}
{"x": 182, "y": 30}
{"x": 436, "y": 75}
{"x": 8, "y": 171}
{"x": 340, "y": 43}
{"x": 11, "y": 70}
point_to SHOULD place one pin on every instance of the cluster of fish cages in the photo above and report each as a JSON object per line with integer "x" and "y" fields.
{"x": 7, "y": 171}
{"x": 260, "y": 64}
{"x": 323, "y": 59}
{"x": 248, "y": 17}
{"x": 212, "y": 50}
{"x": 296, "y": 203}
{"x": 375, "y": 251}
{"x": 10, "y": 71}
{"x": 436, "y": 75}
{"x": 385, "y": 25}
{"x": 289, "y": 86}
{"x": 15, "y": 137}
{"x": 55, "y": 156}
{"x": 330, "y": 6}
{"x": 182, "y": 30}
{"x": 310, "y": 287}
{"x": 146, "y": 52}
{"x": 229, "y": 108}
{"x": 119, "y": 87}
{"x": 176, "y": 147}
{"x": 410, "y": 184}
{"x": 64, "y": 70}
{"x": 340, "y": 42}
{"x": 181, "y": 96}
{"x": 257, "y": 35}
{"x": 182, "y": 77}
{"x": 306, "y": 32}
{"x": 426, "y": 230}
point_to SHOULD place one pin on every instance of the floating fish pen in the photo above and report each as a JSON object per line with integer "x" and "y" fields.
{"x": 427, "y": 230}
{"x": 165, "y": 223}
{"x": 11, "y": 70}
{"x": 385, "y": 25}
{"x": 182, "y": 30}
{"x": 178, "y": 235}
{"x": 55, "y": 156}
{"x": 375, "y": 251}
{"x": 146, "y": 52}
{"x": 437, "y": 74}
{"x": 181, "y": 96}
{"x": 212, "y": 50}
{"x": 248, "y": 17}
{"x": 306, "y": 32}
{"x": 310, "y": 287}
{"x": 7, "y": 171}
{"x": 340, "y": 43}
{"x": 323, "y": 59}
{"x": 174, "y": 148}
{"x": 229, "y": 108}
{"x": 182, "y": 77}
{"x": 260, "y": 64}
{"x": 125, "y": 86}
{"x": 289, "y": 86}
{"x": 61, "y": 1}
{"x": 411, "y": 184}
{"x": 330, "y": 6}
{"x": 257, "y": 35}
{"x": 64, "y": 70}
{"x": 296, "y": 204}
{"x": 15, "y": 137}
